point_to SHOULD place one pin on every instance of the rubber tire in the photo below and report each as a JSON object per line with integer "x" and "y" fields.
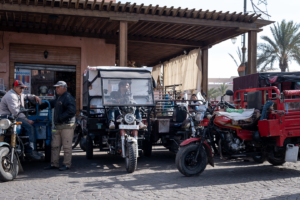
{"x": 131, "y": 157}
{"x": 259, "y": 159}
{"x": 82, "y": 143}
{"x": 180, "y": 160}
{"x": 48, "y": 153}
{"x": 275, "y": 162}
{"x": 89, "y": 147}
{"x": 147, "y": 148}
{"x": 77, "y": 139}
{"x": 8, "y": 176}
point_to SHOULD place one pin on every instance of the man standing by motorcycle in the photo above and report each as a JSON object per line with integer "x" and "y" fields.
{"x": 12, "y": 103}
{"x": 64, "y": 120}
{"x": 123, "y": 96}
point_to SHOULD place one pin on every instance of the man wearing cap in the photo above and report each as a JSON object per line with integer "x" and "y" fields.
{"x": 12, "y": 103}
{"x": 64, "y": 120}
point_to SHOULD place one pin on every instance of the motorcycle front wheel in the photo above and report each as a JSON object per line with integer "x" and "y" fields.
{"x": 8, "y": 171}
{"x": 185, "y": 160}
{"x": 131, "y": 157}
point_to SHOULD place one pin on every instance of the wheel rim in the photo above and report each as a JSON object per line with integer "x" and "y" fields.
{"x": 6, "y": 164}
{"x": 190, "y": 160}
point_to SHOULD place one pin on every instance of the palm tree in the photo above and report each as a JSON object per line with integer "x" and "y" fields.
{"x": 222, "y": 89}
{"x": 212, "y": 93}
{"x": 284, "y": 47}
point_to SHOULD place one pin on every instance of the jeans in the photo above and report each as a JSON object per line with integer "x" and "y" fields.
{"x": 29, "y": 131}
{"x": 265, "y": 109}
{"x": 111, "y": 114}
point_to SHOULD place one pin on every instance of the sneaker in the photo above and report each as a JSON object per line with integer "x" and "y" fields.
{"x": 142, "y": 126}
{"x": 64, "y": 168}
{"x": 112, "y": 125}
{"x": 50, "y": 167}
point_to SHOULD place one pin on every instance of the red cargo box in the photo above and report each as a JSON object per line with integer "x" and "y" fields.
{"x": 283, "y": 80}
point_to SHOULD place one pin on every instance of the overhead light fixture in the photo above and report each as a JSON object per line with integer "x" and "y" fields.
{"x": 233, "y": 40}
{"x": 46, "y": 54}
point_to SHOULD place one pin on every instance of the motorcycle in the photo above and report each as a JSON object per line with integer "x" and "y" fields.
{"x": 80, "y": 132}
{"x": 11, "y": 147}
{"x": 129, "y": 137}
{"x": 196, "y": 152}
{"x": 271, "y": 136}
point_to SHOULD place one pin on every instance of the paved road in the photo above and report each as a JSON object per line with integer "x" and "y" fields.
{"x": 105, "y": 177}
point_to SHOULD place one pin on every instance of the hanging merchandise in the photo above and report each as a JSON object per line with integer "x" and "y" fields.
{"x": 24, "y": 75}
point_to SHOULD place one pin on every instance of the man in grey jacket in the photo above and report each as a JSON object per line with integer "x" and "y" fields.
{"x": 11, "y": 104}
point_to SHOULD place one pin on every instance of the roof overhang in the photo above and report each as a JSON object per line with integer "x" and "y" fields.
{"x": 155, "y": 34}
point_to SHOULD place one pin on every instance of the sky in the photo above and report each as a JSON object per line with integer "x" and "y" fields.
{"x": 221, "y": 64}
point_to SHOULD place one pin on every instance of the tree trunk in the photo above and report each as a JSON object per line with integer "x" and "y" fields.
{"x": 283, "y": 66}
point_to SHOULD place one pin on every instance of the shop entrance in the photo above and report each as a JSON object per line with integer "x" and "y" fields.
{"x": 40, "y": 79}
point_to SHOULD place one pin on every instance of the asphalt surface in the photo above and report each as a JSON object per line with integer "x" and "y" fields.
{"x": 156, "y": 177}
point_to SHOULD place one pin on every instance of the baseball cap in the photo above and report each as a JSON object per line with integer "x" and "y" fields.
{"x": 19, "y": 83}
{"x": 60, "y": 83}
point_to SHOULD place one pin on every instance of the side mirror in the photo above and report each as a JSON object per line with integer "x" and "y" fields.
{"x": 154, "y": 83}
{"x": 229, "y": 93}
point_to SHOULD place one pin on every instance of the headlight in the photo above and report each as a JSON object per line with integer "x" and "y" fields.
{"x": 129, "y": 118}
{"x": 208, "y": 116}
{"x": 5, "y": 124}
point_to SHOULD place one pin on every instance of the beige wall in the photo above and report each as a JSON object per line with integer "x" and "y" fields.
{"x": 94, "y": 52}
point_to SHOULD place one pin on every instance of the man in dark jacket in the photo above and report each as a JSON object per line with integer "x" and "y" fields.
{"x": 64, "y": 120}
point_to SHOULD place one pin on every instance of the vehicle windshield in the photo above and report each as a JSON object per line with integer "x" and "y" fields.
{"x": 127, "y": 92}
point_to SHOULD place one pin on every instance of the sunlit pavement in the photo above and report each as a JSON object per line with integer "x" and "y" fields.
{"x": 157, "y": 177}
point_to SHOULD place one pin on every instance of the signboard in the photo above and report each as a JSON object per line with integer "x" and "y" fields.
{"x": 24, "y": 75}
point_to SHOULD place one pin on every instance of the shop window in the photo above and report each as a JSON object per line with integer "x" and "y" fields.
{"x": 40, "y": 82}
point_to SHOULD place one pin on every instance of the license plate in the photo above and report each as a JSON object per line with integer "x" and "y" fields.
{"x": 129, "y": 127}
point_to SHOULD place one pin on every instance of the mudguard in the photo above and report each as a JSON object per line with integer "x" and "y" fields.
{"x": 2, "y": 144}
{"x": 206, "y": 147}
{"x": 209, "y": 154}
{"x": 188, "y": 141}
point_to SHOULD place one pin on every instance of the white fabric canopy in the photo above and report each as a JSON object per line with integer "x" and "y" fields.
{"x": 237, "y": 116}
{"x": 185, "y": 70}
{"x": 156, "y": 72}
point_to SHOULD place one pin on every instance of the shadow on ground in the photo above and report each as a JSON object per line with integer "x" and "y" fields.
{"x": 155, "y": 173}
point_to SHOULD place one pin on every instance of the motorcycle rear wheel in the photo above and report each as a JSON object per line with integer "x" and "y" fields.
{"x": 131, "y": 157}
{"x": 76, "y": 138}
{"x": 7, "y": 172}
{"x": 259, "y": 159}
{"x": 89, "y": 147}
{"x": 184, "y": 160}
{"x": 147, "y": 148}
{"x": 276, "y": 162}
